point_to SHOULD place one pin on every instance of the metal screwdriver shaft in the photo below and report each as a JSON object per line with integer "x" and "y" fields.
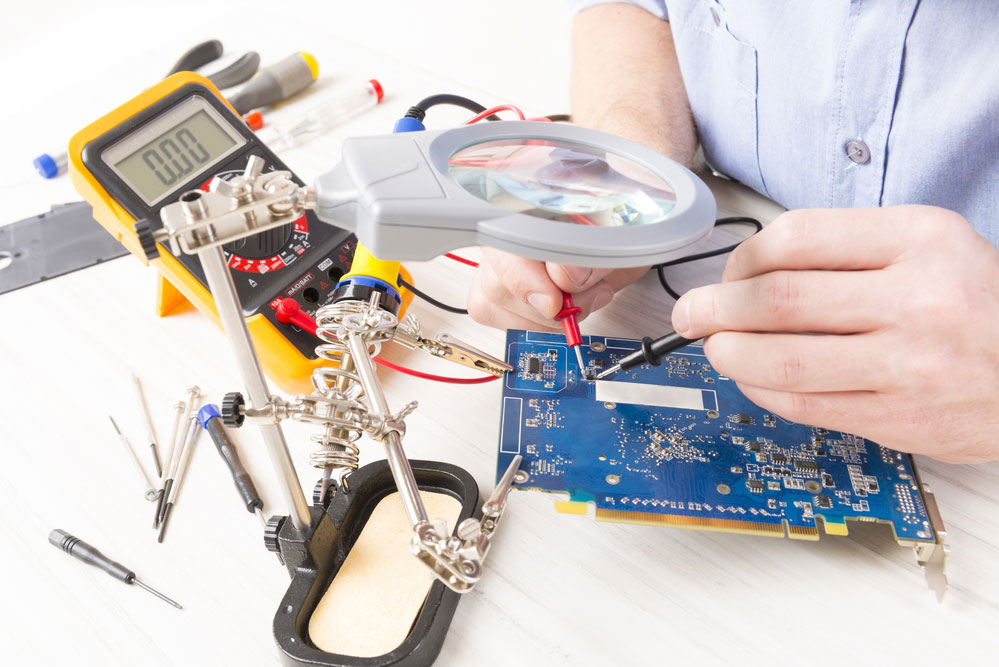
{"x": 79, "y": 549}
{"x": 174, "y": 434}
{"x": 151, "y": 433}
{"x": 150, "y": 489}
{"x": 186, "y": 454}
{"x": 192, "y": 433}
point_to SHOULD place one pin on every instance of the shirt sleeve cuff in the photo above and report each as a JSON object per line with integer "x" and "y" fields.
{"x": 654, "y": 7}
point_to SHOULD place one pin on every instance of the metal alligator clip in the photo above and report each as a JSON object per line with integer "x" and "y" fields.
{"x": 450, "y": 348}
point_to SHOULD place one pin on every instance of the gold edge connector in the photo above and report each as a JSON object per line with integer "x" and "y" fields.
{"x": 693, "y": 522}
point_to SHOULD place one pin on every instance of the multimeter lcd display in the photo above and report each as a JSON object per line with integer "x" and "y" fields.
{"x": 161, "y": 156}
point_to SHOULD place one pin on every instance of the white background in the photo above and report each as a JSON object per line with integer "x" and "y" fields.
{"x": 558, "y": 589}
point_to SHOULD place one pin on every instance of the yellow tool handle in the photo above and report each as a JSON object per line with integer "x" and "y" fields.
{"x": 366, "y": 264}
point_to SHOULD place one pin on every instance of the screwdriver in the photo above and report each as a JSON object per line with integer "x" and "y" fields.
{"x": 332, "y": 112}
{"x": 651, "y": 352}
{"x": 211, "y": 419}
{"x": 570, "y": 325}
{"x": 151, "y": 494}
{"x": 276, "y": 83}
{"x": 150, "y": 432}
{"x": 183, "y": 460}
{"x": 77, "y": 548}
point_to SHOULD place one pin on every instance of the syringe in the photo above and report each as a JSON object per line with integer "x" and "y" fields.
{"x": 325, "y": 116}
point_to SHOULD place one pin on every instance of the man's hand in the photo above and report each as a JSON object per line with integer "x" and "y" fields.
{"x": 625, "y": 80}
{"x": 880, "y": 322}
{"x": 511, "y": 291}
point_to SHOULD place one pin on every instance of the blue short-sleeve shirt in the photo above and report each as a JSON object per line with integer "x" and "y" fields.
{"x": 847, "y": 103}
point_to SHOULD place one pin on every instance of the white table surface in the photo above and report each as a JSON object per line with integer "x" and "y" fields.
{"x": 557, "y": 589}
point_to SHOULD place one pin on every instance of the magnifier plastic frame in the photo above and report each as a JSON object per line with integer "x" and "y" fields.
{"x": 396, "y": 193}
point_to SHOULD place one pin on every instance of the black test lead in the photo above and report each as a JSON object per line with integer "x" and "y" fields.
{"x": 651, "y": 352}
{"x": 79, "y": 549}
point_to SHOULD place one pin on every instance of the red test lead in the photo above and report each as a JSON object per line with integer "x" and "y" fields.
{"x": 288, "y": 311}
{"x": 570, "y": 325}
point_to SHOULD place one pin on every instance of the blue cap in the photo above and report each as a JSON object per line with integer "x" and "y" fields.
{"x": 407, "y": 124}
{"x": 46, "y": 166}
{"x": 376, "y": 283}
{"x": 208, "y": 413}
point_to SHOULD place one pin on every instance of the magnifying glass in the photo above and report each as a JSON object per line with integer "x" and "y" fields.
{"x": 548, "y": 192}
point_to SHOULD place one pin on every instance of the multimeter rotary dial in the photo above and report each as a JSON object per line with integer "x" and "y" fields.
{"x": 269, "y": 250}
{"x": 263, "y": 245}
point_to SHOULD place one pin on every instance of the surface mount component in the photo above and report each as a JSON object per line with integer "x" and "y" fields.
{"x": 680, "y": 445}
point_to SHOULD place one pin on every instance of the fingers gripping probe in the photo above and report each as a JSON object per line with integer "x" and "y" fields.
{"x": 79, "y": 549}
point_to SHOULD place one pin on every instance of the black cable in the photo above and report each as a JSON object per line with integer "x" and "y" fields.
{"x": 737, "y": 220}
{"x": 560, "y": 118}
{"x": 419, "y": 110}
{"x": 431, "y": 300}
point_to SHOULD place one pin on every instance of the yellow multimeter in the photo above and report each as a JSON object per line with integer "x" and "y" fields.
{"x": 178, "y": 136}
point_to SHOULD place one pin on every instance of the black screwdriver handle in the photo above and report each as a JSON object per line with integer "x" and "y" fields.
{"x": 240, "y": 476}
{"x": 77, "y": 548}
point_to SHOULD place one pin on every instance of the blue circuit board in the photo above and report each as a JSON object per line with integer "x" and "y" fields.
{"x": 679, "y": 444}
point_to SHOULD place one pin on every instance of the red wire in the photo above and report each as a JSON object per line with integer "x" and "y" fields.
{"x": 289, "y": 312}
{"x": 492, "y": 110}
{"x": 581, "y": 219}
{"x": 435, "y": 378}
{"x": 457, "y": 258}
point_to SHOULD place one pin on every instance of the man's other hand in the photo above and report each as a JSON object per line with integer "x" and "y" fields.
{"x": 880, "y": 322}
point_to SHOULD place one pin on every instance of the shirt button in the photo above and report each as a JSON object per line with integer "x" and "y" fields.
{"x": 714, "y": 15}
{"x": 858, "y": 151}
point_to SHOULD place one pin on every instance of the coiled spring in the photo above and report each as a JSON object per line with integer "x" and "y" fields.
{"x": 337, "y": 391}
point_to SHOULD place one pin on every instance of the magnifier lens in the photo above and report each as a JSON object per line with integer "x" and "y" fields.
{"x": 563, "y": 181}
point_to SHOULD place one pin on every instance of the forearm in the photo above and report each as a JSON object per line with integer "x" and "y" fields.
{"x": 626, "y": 80}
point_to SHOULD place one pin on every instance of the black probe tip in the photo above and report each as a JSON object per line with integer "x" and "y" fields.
{"x": 650, "y": 352}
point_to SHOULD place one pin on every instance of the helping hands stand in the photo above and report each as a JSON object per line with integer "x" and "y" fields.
{"x": 347, "y": 399}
